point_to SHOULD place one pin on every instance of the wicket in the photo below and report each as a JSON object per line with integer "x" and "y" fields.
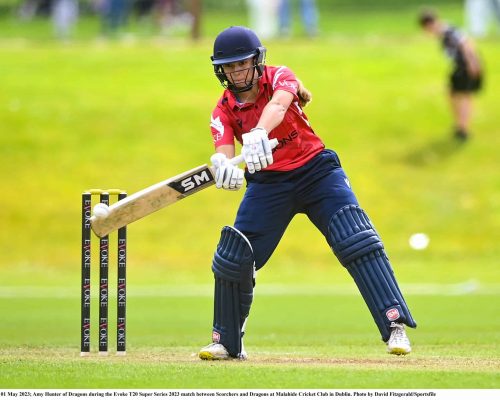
{"x": 104, "y": 196}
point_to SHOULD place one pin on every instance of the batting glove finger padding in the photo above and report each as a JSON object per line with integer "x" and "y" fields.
{"x": 268, "y": 151}
{"x": 257, "y": 150}
{"x": 256, "y": 162}
{"x": 263, "y": 161}
{"x": 227, "y": 176}
{"x": 248, "y": 161}
{"x": 236, "y": 179}
{"x": 219, "y": 176}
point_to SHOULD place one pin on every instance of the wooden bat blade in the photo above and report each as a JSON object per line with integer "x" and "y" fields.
{"x": 153, "y": 198}
{"x": 157, "y": 196}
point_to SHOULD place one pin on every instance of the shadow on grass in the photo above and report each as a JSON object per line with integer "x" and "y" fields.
{"x": 435, "y": 151}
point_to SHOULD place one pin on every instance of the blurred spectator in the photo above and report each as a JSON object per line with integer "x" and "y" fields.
{"x": 196, "y": 11}
{"x": 27, "y": 9}
{"x": 144, "y": 7}
{"x": 478, "y": 16}
{"x": 263, "y": 17}
{"x": 175, "y": 15}
{"x": 466, "y": 77}
{"x": 31, "y": 8}
{"x": 309, "y": 16}
{"x": 495, "y": 8}
{"x": 114, "y": 14}
{"x": 164, "y": 11}
{"x": 64, "y": 17}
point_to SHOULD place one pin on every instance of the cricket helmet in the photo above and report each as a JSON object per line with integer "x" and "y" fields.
{"x": 237, "y": 43}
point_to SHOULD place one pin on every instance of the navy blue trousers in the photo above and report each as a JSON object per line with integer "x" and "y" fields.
{"x": 318, "y": 189}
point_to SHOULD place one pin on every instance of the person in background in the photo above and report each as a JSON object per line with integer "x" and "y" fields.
{"x": 114, "y": 15}
{"x": 263, "y": 17}
{"x": 308, "y": 12}
{"x": 479, "y": 14}
{"x": 467, "y": 74}
{"x": 64, "y": 17}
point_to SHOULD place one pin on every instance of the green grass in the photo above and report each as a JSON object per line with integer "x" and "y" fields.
{"x": 122, "y": 113}
{"x": 340, "y": 352}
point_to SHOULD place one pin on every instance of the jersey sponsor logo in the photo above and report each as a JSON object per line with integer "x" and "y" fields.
{"x": 218, "y": 127}
{"x": 392, "y": 314}
{"x": 283, "y": 83}
{"x": 196, "y": 181}
{"x": 289, "y": 84}
{"x": 284, "y": 141}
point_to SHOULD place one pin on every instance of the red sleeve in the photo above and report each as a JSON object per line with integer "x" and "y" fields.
{"x": 222, "y": 132}
{"x": 284, "y": 79}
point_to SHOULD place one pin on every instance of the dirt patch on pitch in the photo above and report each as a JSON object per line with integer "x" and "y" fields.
{"x": 160, "y": 356}
{"x": 388, "y": 362}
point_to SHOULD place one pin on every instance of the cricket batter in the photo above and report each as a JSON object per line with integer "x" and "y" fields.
{"x": 466, "y": 77}
{"x": 299, "y": 176}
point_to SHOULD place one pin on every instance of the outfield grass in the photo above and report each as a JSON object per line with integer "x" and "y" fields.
{"x": 128, "y": 113}
{"x": 326, "y": 348}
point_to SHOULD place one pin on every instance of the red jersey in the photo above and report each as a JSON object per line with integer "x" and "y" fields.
{"x": 297, "y": 141}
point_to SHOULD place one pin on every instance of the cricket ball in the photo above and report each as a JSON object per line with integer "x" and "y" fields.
{"x": 419, "y": 241}
{"x": 101, "y": 210}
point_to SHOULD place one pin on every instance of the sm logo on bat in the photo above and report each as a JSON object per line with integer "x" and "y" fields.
{"x": 191, "y": 183}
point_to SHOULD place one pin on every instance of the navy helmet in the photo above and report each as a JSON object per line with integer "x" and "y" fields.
{"x": 237, "y": 43}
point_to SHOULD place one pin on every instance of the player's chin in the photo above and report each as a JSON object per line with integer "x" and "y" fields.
{"x": 240, "y": 84}
{"x": 243, "y": 84}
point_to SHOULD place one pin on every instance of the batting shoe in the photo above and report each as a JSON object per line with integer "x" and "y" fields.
{"x": 398, "y": 342}
{"x": 216, "y": 351}
{"x": 461, "y": 135}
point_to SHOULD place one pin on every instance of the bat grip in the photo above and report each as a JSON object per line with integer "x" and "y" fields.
{"x": 240, "y": 158}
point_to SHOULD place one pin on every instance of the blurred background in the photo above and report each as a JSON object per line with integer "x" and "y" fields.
{"x": 87, "y": 19}
{"x": 118, "y": 94}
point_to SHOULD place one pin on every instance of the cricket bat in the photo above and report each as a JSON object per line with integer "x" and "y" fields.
{"x": 157, "y": 196}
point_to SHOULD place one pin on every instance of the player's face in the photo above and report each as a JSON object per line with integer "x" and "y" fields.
{"x": 240, "y": 73}
{"x": 432, "y": 28}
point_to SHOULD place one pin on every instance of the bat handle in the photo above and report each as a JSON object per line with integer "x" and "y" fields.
{"x": 240, "y": 158}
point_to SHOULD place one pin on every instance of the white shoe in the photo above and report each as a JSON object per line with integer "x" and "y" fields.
{"x": 216, "y": 351}
{"x": 398, "y": 343}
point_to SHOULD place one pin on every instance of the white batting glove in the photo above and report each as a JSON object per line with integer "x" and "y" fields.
{"x": 227, "y": 175}
{"x": 257, "y": 150}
